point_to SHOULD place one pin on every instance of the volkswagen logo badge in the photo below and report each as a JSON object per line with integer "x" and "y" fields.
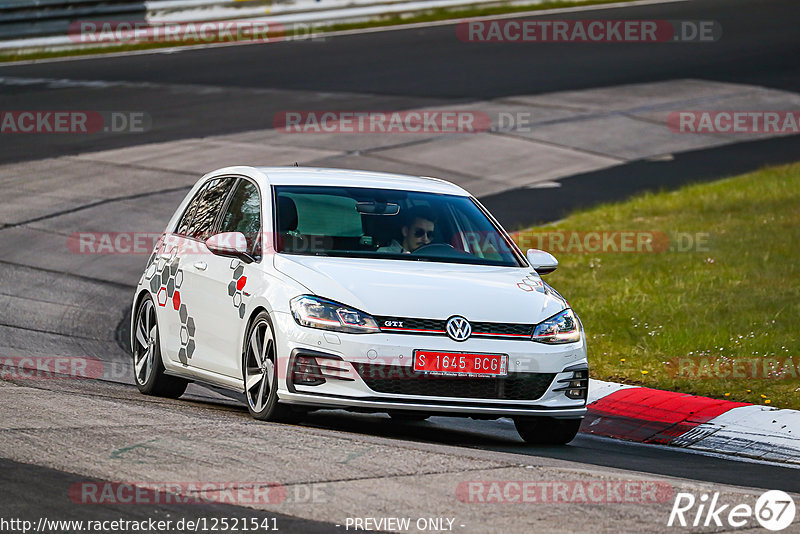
{"x": 458, "y": 328}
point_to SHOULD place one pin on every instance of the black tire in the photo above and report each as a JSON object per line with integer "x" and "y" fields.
{"x": 260, "y": 374}
{"x": 148, "y": 368}
{"x": 546, "y": 430}
{"x": 408, "y": 417}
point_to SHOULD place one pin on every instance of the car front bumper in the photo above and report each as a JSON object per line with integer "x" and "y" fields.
{"x": 343, "y": 355}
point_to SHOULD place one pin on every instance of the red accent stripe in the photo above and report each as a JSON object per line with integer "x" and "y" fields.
{"x": 443, "y": 332}
{"x": 650, "y": 415}
{"x": 504, "y": 335}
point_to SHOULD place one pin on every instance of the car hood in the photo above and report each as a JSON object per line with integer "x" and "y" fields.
{"x": 427, "y": 290}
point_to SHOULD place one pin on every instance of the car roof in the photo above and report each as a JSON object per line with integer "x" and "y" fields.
{"x": 356, "y": 178}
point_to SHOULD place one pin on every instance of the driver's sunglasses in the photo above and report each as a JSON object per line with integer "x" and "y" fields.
{"x": 419, "y": 232}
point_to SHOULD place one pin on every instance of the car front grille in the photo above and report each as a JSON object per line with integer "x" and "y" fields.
{"x": 437, "y": 327}
{"x": 404, "y": 381}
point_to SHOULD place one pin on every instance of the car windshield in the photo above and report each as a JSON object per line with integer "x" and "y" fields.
{"x": 388, "y": 224}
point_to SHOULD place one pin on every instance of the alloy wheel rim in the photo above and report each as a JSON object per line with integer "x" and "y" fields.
{"x": 146, "y": 336}
{"x": 259, "y": 366}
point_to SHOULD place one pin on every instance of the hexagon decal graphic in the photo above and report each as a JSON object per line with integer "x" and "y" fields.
{"x": 184, "y": 335}
{"x": 179, "y": 279}
{"x": 190, "y": 326}
{"x": 183, "y": 313}
{"x": 176, "y": 300}
{"x": 155, "y": 283}
{"x": 190, "y": 348}
{"x": 162, "y": 297}
{"x": 236, "y": 286}
{"x": 171, "y": 287}
{"x": 182, "y": 355}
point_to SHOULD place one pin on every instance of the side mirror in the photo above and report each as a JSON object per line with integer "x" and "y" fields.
{"x": 230, "y": 244}
{"x": 541, "y": 261}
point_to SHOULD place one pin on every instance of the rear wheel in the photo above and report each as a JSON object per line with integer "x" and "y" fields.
{"x": 546, "y": 430}
{"x": 260, "y": 369}
{"x": 148, "y": 369}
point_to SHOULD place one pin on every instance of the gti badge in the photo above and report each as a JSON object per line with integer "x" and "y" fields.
{"x": 458, "y": 328}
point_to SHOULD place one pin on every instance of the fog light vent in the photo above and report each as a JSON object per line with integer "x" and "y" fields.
{"x": 577, "y": 387}
{"x": 305, "y": 372}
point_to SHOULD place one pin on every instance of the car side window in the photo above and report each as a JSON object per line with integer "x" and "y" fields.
{"x": 243, "y": 214}
{"x": 188, "y": 214}
{"x": 208, "y": 207}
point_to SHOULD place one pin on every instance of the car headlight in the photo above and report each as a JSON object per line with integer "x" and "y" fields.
{"x": 563, "y": 327}
{"x": 316, "y": 312}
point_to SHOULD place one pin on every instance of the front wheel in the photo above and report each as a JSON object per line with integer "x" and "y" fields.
{"x": 546, "y": 430}
{"x": 260, "y": 370}
{"x": 148, "y": 369}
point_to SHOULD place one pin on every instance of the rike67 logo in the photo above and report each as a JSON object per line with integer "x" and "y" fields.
{"x": 774, "y": 510}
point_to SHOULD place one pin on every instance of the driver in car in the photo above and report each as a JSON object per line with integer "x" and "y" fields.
{"x": 417, "y": 231}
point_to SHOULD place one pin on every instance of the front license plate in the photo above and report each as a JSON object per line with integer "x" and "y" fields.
{"x": 460, "y": 363}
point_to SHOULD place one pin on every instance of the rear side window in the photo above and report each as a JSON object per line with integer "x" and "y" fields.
{"x": 188, "y": 214}
{"x": 207, "y": 205}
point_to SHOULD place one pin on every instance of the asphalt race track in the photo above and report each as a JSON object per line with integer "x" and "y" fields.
{"x": 236, "y": 86}
{"x": 54, "y": 302}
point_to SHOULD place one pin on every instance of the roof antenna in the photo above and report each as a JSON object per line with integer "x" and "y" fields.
{"x": 295, "y": 164}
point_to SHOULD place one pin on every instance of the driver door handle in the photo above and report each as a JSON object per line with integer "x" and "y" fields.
{"x": 200, "y": 265}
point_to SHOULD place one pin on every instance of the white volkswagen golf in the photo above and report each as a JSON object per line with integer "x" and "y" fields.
{"x": 311, "y": 288}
